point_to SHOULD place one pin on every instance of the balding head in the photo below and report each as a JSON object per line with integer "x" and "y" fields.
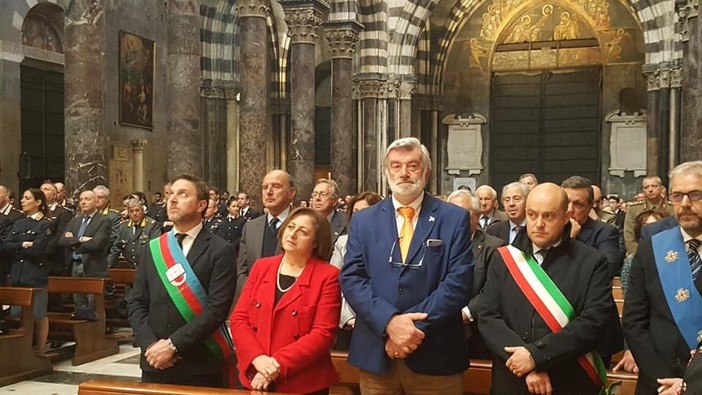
{"x": 470, "y": 203}
{"x": 547, "y": 214}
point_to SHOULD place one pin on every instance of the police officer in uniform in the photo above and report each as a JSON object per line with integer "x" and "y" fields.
{"x": 652, "y": 189}
{"x": 133, "y": 235}
{"x": 232, "y": 224}
{"x": 211, "y": 222}
{"x": 26, "y": 246}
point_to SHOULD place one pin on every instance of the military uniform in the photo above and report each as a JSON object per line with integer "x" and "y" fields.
{"x": 212, "y": 225}
{"x": 630, "y": 220}
{"x": 115, "y": 218}
{"x": 606, "y": 215}
{"x": 57, "y": 256}
{"x": 29, "y": 267}
{"x": 231, "y": 229}
{"x": 133, "y": 240}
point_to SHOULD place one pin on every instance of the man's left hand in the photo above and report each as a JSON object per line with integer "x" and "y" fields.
{"x": 521, "y": 362}
{"x": 394, "y": 350}
{"x": 669, "y": 386}
{"x": 160, "y": 355}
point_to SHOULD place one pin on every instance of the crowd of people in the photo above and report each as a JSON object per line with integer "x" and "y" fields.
{"x": 412, "y": 285}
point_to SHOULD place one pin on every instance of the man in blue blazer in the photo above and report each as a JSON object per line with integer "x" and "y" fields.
{"x": 408, "y": 271}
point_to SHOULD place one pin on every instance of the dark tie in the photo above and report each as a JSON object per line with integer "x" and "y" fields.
{"x": 180, "y": 237}
{"x": 516, "y": 228}
{"x": 542, "y": 255}
{"x": 270, "y": 238}
{"x": 81, "y": 233}
{"x": 693, "y": 255}
{"x": 485, "y": 220}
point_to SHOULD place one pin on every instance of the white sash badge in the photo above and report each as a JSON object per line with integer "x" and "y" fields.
{"x": 176, "y": 275}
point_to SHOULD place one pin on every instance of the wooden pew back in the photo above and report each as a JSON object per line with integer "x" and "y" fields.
{"x": 111, "y": 387}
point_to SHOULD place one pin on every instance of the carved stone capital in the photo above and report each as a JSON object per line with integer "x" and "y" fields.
{"x": 364, "y": 89}
{"x": 138, "y": 145}
{"x": 342, "y": 40}
{"x": 407, "y": 87}
{"x": 676, "y": 77}
{"x": 253, "y": 8}
{"x": 303, "y": 23}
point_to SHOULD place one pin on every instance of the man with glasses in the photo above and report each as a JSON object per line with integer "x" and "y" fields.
{"x": 324, "y": 198}
{"x": 407, "y": 274}
{"x": 102, "y": 194}
{"x": 652, "y": 190}
{"x": 663, "y": 310}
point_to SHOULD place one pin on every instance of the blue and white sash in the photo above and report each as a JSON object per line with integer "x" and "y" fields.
{"x": 684, "y": 300}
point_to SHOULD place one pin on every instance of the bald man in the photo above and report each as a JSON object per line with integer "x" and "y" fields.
{"x": 545, "y": 305}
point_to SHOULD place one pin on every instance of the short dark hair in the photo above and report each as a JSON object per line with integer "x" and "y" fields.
{"x": 322, "y": 235}
{"x": 216, "y": 191}
{"x": 579, "y": 182}
{"x": 201, "y": 190}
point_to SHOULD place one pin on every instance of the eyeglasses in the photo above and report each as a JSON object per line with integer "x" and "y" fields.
{"x": 678, "y": 196}
{"x": 321, "y": 194}
{"x": 402, "y": 265}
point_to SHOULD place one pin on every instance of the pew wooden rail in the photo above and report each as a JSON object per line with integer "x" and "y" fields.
{"x": 122, "y": 279}
{"x": 476, "y": 380}
{"x": 110, "y": 387}
{"x": 18, "y": 362}
{"x": 91, "y": 341}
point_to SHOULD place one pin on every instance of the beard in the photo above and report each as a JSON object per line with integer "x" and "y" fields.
{"x": 690, "y": 222}
{"x": 410, "y": 189}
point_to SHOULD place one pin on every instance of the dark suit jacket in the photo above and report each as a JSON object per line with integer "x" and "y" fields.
{"x": 251, "y": 214}
{"x": 56, "y": 255}
{"x": 605, "y": 238}
{"x": 377, "y": 289}
{"x": 5, "y": 225}
{"x": 250, "y": 248}
{"x": 507, "y": 318}
{"x": 337, "y": 226}
{"x": 153, "y": 316}
{"x": 297, "y": 331}
{"x": 650, "y": 330}
{"x": 93, "y": 252}
{"x": 499, "y": 230}
{"x": 648, "y": 230}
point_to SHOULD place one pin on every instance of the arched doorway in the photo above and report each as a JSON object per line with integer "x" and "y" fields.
{"x": 545, "y": 75}
{"x": 42, "y": 104}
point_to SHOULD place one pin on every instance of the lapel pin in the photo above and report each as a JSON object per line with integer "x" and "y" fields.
{"x": 431, "y": 219}
{"x": 671, "y": 256}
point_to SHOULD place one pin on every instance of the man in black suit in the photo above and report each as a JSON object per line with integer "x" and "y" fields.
{"x": 324, "y": 198}
{"x": 489, "y": 212}
{"x": 60, "y": 217}
{"x": 259, "y": 238}
{"x": 531, "y": 356}
{"x": 484, "y": 246}
{"x": 605, "y": 238}
{"x": 245, "y": 209}
{"x": 662, "y": 318}
{"x": 88, "y": 238}
{"x": 173, "y": 348}
{"x": 514, "y": 196}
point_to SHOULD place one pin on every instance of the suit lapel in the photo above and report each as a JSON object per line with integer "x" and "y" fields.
{"x": 199, "y": 246}
{"x": 256, "y": 231}
{"x": 388, "y": 212}
{"x": 295, "y": 292}
{"x": 425, "y": 224}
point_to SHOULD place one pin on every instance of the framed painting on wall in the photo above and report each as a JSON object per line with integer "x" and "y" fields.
{"x": 136, "y": 80}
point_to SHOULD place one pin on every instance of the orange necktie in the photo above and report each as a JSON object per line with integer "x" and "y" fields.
{"x": 407, "y": 230}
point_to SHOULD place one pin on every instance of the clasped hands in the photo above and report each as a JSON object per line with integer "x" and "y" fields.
{"x": 521, "y": 363}
{"x": 267, "y": 371}
{"x": 403, "y": 336}
{"x": 160, "y": 356}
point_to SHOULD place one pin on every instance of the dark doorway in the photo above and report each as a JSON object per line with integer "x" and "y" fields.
{"x": 546, "y": 123}
{"x": 42, "y": 127}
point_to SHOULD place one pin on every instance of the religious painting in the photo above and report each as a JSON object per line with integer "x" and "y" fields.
{"x": 136, "y": 80}
{"x": 37, "y": 32}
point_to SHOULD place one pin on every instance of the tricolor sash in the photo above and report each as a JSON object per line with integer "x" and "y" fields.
{"x": 185, "y": 290}
{"x": 549, "y": 302}
{"x": 681, "y": 294}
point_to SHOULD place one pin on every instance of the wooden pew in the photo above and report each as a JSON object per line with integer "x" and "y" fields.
{"x": 91, "y": 341}
{"x": 122, "y": 279}
{"x": 112, "y": 387}
{"x": 18, "y": 362}
{"x": 476, "y": 380}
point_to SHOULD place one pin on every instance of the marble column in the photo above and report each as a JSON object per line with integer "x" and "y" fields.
{"x": 254, "y": 107}
{"x": 658, "y": 129}
{"x": 342, "y": 37}
{"x": 691, "y": 128}
{"x": 303, "y": 22}
{"x": 84, "y": 95}
{"x": 214, "y": 131}
{"x": 406, "y": 88}
{"x": 233, "y": 142}
{"x": 138, "y": 146}
{"x": 185, "y": 140}
{"x": 368, "y": 93}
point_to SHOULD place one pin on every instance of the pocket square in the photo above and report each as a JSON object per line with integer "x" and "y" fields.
{"x": 434, "y": 242}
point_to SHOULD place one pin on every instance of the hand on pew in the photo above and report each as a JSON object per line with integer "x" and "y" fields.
{"x": 402, "y": 331}
{"x": 160, "y": 355}
{"x": 521, "y": 362}
{"x": 259, "y": 382}
{"x": 627, "y": 363}
{"x": 539, "y": 383}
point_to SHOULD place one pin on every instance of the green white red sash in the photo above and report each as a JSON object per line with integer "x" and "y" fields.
{"x": 549, "y": 302}
{"x": 185, "y": 290}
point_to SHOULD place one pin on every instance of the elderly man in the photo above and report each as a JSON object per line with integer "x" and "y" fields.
{"x": 514, "y": 196}
{"x": 545, "y": 305}
{"x": 489, "y": 213}
{"x": 407, "y": 273}
{"x": 323, "y": 199}
{"x": 484, "y": 246}
{"x": 529, "y": 180}
{"x": 133, "y": 236}
{"x": 259, "y": 238}
{"x": 102, "y": 195}
{"x": 183, "y": 338}
{"x": 652, "y": 190}
{"x": 663, "y": 310}
{"x": 61, "y": 197}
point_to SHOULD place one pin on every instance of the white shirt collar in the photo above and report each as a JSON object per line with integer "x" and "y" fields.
{"x": 5, "y": 210}
{"x": 281, "y": 217}
{"x": 687, "y": 237}
{"x": 416, "y": 204}
{"x": 512, "y": 224}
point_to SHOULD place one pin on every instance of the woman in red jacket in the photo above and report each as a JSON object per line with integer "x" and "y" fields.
{"x": 285, "y": 320}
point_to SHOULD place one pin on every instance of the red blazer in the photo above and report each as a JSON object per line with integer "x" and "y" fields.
{"x": 298, "y": 332}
